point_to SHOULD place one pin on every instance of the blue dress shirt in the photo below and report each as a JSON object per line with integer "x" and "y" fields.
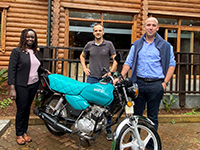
{"x": 149, "y": 61}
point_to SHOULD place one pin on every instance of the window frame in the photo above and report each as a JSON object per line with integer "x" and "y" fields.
{"x": 3, "y": 9}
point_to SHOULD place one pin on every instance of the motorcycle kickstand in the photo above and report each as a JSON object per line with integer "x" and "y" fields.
{"x": 87, "y": 142}
{"x": 80, "y": 143}
{"x": 79, "y": 147}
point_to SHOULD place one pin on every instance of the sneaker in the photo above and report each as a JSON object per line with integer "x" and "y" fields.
{"x": 109, "y": 135}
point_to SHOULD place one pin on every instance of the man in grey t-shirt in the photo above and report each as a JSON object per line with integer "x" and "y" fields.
{"x": 99, "y": 51}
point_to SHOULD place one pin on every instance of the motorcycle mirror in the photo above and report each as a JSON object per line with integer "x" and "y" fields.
{"x": 118, "y": 57}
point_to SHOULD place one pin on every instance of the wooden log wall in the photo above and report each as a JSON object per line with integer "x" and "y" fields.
{"x": 23, "y": 14}
{"x": 184, "y": 8}
{"x": 114, "y": 6}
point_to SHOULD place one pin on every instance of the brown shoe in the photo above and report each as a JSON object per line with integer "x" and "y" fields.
{"x": 26, "y": 137}
{"x": 20, "y": 140}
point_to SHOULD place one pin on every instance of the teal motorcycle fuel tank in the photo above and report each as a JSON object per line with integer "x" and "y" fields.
{"x": 80, "y": 94}
{"x": 99, "y": 93}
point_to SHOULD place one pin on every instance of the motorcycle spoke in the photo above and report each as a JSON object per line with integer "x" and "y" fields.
{"x": 127, "y": 145}
{"x": 147, "y": 139}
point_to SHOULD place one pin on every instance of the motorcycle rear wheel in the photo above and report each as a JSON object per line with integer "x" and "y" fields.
{"x": 127, "y": 138}
{"x": 49, "y": 109}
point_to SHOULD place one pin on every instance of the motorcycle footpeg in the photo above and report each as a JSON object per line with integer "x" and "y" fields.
{"x": 36, "y": 111}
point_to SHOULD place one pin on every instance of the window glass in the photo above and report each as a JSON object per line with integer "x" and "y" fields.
{"x": 82, "y": 23}
{"x": 80, "y": 32}
{"x": 190, "y": 22}
{"x": 81, "y": 26}
{"x": 197, "y": 41}
{"x": 117, "y": 17}
{"x": 185, "y": 41}
{"x": 87, "y": 15}
{"x": 167, "y": 21}
{"x": 172, "y": 36}
{"x": 115, "y": 28}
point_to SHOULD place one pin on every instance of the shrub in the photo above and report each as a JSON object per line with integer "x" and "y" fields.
{"x": 169, "y": 102}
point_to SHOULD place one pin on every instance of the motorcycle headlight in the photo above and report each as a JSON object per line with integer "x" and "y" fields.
{"x": 133, "y": 91}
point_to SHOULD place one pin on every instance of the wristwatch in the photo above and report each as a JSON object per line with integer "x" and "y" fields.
{"x": 166, "y": 83}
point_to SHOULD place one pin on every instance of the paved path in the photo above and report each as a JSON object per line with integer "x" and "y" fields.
{"x": 178, "y": 136}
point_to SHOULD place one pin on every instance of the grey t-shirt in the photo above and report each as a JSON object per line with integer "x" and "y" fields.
{"x": 99, "y": 56}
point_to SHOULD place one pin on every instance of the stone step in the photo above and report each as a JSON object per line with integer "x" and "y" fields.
{"x": 4, "y": 124}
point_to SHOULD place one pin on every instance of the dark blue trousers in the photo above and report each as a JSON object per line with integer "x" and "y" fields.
{"x": 93, "y": 80}
{"x": 150, "y": 95}
{"x": 24, "y": 99}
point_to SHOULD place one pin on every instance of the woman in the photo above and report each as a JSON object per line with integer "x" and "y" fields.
{"x": 23, "y": 76}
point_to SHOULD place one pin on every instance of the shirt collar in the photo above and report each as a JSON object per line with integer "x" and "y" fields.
{"x": 103, "y": 43}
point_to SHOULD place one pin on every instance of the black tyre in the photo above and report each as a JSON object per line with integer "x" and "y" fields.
{"x": 50, "y": 108}
{"x": 127, "y": 137}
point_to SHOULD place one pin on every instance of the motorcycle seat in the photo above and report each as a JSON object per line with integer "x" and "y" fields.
{"x": 66, "y": 85}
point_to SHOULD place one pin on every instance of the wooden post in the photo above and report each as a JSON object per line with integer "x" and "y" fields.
{"x": 182, "y": 80}
{"x": 66, "y": 52}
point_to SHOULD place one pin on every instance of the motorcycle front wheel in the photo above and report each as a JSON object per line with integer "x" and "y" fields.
{"x": 64, "y": 113}
{"x": 127, "y": 137}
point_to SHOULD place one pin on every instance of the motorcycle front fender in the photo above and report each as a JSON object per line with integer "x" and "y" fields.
{"x": 127, "y": 121}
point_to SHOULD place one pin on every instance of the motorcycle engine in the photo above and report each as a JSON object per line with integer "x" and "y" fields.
{"x": 87, "y": 123}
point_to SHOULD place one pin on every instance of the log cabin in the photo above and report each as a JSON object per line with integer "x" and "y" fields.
{"x": 68, "y": 23}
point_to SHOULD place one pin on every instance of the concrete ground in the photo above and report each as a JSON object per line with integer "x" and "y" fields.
{"x": 174, "y": 136}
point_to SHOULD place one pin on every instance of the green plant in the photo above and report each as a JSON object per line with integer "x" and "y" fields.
{"x": 196, "y": 140}
{"x": 3, "y": 77}
{"x": 4, "y": 91}
{"x": 169, "y": 102}
{"x": 193, "y": 112}
{"x": 38, "y": 101}
{"x": 5, "y": 102}
{"x": 173, "y": 121}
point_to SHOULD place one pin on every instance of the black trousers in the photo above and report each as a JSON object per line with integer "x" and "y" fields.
{"x": 24, "y": 99}
{"x": 150, "y": 94}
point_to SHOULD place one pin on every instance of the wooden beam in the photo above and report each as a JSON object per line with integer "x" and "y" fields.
{"x": 3, "y": 30}
{"x": 166, "y": 34}
{"x": 178, "y": 49}
{"x": 103, "y": 3}
{"x": 25, "y": 15}
{"x": 30, "y": 11}
{"x": 26, "y": 20}
{"x": 134, "y": 29}
{"x": 66, "y": 42}
{"x": 4, "y": 5}
{"x": 174, "y": 13}
{"x": 163, "y": 4}
{"x": 96, "y": 8}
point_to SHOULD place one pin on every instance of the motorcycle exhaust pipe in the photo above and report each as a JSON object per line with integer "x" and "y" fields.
{"x": 47, "y": 119}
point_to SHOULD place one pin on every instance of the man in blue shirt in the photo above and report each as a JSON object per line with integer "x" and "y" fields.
{"x": 152, "y": 62}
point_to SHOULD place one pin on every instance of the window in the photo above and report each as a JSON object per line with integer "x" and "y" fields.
{"x": 117, "y": 27}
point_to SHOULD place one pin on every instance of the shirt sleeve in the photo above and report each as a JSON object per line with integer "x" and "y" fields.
{"x": 172, "y": 58}
{"x": 85, "y": 49}
{"x": 129, "y": 59}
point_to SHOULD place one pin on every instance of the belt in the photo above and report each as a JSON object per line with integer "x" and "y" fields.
{"x": 148, "y": 79}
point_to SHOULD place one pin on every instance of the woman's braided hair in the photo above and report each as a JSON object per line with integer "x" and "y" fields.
{"x": 22, "y": 42}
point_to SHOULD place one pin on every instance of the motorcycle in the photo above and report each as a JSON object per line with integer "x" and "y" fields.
{"x": 70, "y": 106}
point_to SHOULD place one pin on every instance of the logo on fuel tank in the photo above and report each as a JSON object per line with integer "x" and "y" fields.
{"x": 99, "y": 90}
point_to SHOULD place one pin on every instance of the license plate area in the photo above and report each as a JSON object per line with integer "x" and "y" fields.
{"x": 129, "y": 110}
